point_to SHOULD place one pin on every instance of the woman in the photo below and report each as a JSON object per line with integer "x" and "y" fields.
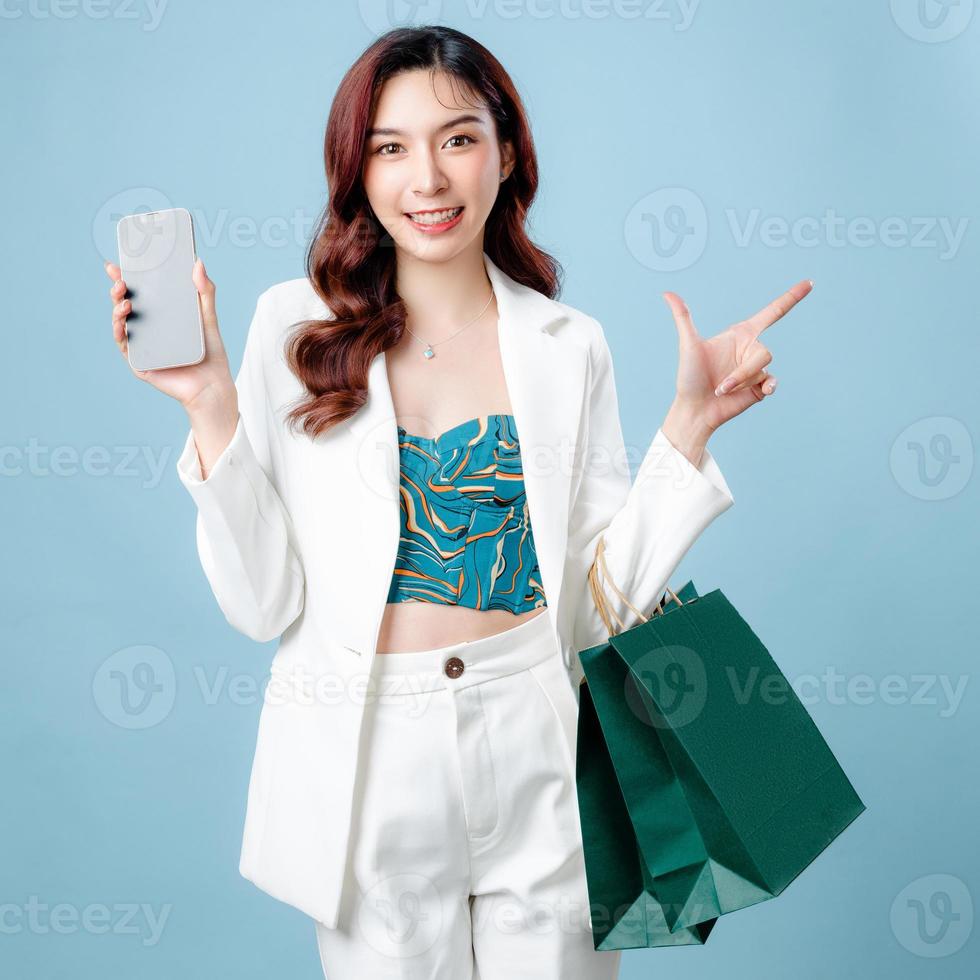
{"x": 429, "y": 822}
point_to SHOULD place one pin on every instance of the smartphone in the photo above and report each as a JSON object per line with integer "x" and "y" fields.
{"x": 157, "y": 256}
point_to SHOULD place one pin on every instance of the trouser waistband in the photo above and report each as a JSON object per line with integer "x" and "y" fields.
{"x": 471, "y": 662}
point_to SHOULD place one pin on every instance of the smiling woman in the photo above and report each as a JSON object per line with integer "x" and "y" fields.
{"x": 428, "y": 149}
{"x": 407, "y": 481}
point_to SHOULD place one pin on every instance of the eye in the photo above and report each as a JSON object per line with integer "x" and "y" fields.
{"x": 380, "y": 151}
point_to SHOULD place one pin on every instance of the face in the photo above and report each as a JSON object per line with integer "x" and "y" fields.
{"x": 427, "y": 151}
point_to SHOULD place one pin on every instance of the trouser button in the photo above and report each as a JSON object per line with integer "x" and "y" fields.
{"x": 454, "y": 667}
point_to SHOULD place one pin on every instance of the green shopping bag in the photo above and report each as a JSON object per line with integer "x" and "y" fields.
{"x": 703, "y": 784}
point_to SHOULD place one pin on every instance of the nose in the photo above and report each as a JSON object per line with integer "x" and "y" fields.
{"x": 428, "y": 179}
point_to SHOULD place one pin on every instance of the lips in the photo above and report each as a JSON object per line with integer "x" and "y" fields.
{"x": 434, "y": 216}
{"x": 436, "y": 222}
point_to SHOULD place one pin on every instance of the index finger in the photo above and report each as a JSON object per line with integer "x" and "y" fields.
{"x": 778, "y": 308}
{"x": 113, "y": 271}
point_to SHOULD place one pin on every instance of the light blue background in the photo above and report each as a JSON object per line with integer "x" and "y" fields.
{"x": 839, "y": 551}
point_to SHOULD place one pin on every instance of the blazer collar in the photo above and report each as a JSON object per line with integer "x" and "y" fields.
{"x": 546, "y": 377}
{"x": 520, "y": 310}
{"x": 517, "y": 301}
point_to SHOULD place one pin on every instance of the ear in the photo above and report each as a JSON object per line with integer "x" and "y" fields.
{"x": 507, "y": 158}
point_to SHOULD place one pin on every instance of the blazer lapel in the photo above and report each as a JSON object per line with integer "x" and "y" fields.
{"x": 546, "y": 379}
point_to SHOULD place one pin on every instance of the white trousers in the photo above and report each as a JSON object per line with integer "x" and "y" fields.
{"x": 466, "y": 854}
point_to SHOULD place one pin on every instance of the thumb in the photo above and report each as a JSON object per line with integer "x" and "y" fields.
{"x": 205, "y": 290}
{"x": 686, "y": 331}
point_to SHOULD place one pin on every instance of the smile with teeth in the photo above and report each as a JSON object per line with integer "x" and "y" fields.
{"x": 434, "y": 217}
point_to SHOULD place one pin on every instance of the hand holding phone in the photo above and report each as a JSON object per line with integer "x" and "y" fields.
{"x": 167, "y": 316}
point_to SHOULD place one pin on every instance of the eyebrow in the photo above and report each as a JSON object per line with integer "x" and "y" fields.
{"x": 458, "y": 121}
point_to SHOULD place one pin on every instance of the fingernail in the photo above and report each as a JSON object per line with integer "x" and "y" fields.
{"x": 769, "y": 387}
{"x": 810, "y": 281}
{"x": 724, "y": 386}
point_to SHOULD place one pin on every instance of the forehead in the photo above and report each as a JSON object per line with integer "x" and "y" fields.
{"x": 420, "y": 101}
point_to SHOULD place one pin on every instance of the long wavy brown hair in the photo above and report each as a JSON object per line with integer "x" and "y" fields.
{"x": 350, "y": 261}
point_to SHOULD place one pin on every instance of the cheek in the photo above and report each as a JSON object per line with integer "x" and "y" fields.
{"x": 480, "y": 174}
{"x": 376, "y": 182}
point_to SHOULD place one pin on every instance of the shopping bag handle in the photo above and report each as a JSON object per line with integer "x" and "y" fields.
{"x": 599, "y": 596}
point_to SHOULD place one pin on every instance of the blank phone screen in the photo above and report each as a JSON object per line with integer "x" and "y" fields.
{"x": 156, "y": 256}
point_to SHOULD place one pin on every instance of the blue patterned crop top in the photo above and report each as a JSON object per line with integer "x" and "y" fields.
{"x": 465, "y": 534}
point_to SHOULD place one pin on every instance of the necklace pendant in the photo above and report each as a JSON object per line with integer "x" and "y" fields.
{"x": 428, "y": 353}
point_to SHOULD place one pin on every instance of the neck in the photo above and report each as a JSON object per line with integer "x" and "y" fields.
{"x": 443, "y": 296}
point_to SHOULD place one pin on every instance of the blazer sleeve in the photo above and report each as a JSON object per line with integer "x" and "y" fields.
{"x": 649, "y": 525}
{"x": 245, "y": 538}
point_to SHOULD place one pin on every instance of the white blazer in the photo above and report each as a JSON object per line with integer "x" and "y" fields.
{"x": 298, "y": 538}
